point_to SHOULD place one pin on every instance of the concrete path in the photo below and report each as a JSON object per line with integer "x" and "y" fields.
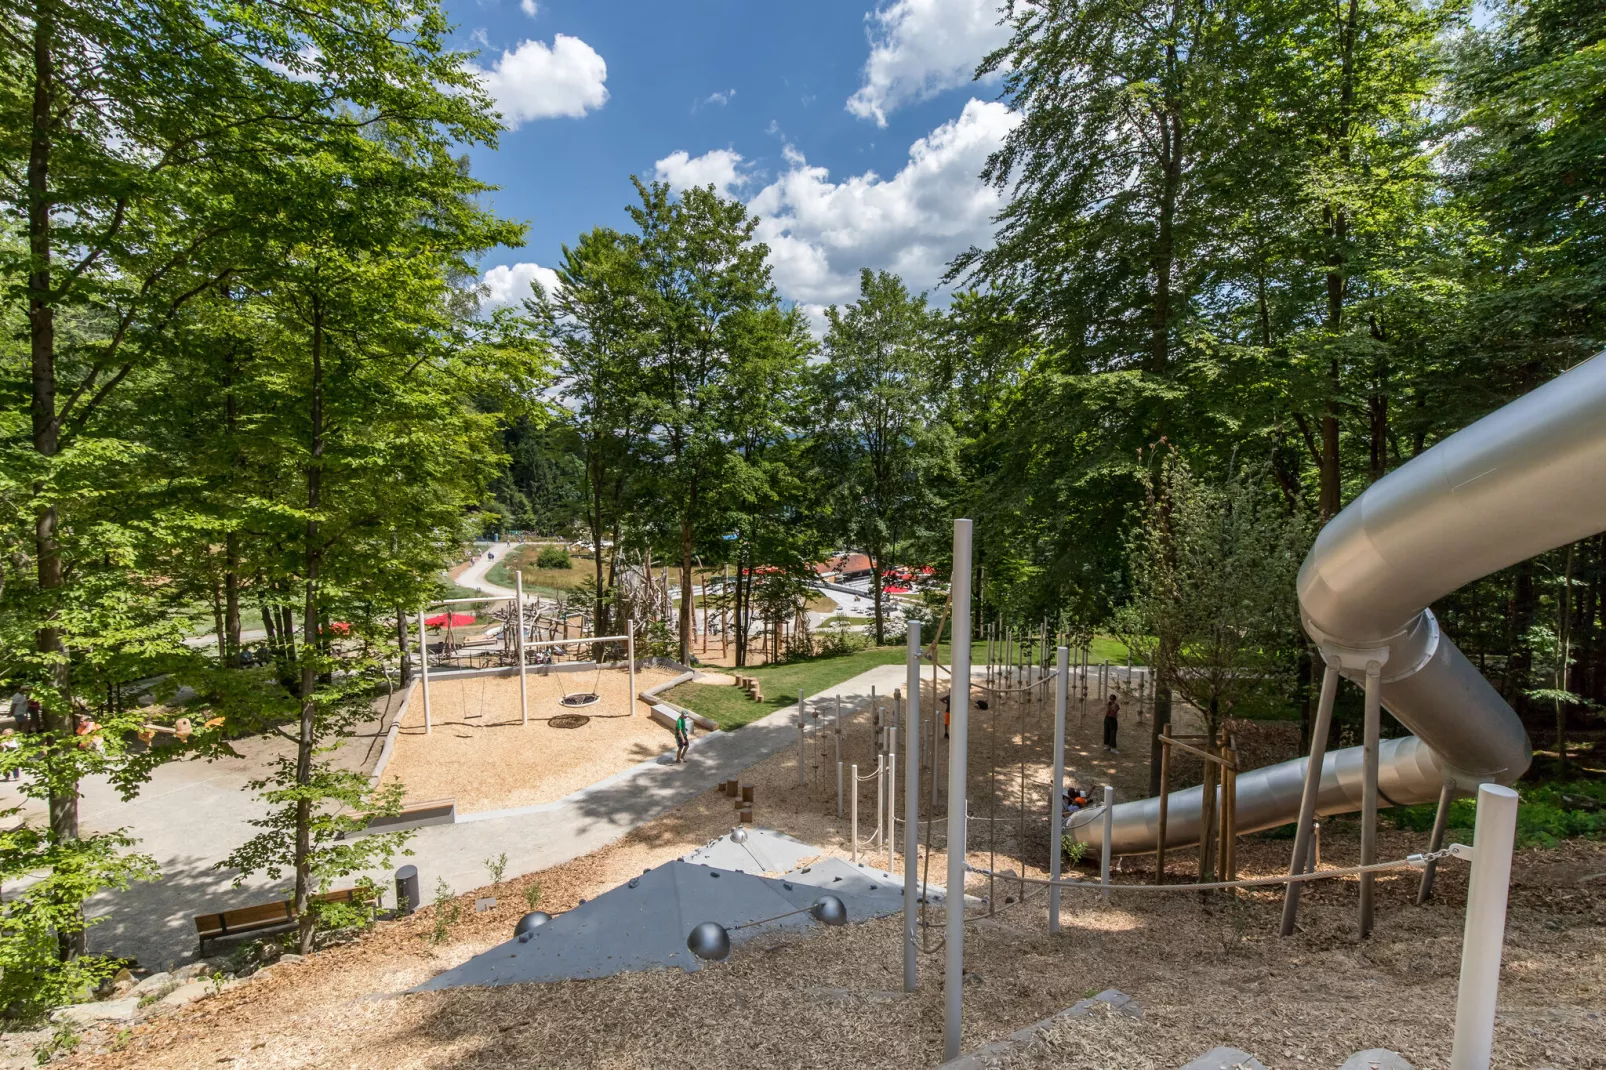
{"x": 473, "y": 577}
{"x": 193, "y": 814}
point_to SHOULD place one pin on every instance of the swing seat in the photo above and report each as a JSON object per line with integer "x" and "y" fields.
{"x": 583, "y": 698}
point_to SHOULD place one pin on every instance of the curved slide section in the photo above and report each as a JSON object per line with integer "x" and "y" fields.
{"x": 1521, "y": 481}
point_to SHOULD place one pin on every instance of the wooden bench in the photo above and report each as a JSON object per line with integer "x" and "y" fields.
{"x": 257, "y": 918}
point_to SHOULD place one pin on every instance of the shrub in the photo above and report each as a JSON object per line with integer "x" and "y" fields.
{"x": 532, "y": 896}
{"x": 448, "y": 912}
{"x": 553, "y": 557}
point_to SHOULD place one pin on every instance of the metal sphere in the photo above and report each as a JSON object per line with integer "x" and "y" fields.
{"x": 709, "y": 941}
{"x": 531, "y": 922}
{"x": 738, "y": 835}
{"x": 829, "y": 910}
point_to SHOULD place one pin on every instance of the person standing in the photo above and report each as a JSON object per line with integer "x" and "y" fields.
{"x": 1112, "y": 715}
{"x": 682, "y": 736}
{"x": 10, "y": 744}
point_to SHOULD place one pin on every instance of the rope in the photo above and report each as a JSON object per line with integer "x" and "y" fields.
{"x": 1413, "y": 862}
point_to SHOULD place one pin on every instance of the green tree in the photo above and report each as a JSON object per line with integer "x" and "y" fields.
{"x": 879, "y": 443}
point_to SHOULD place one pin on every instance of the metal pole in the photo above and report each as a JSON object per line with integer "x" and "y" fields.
{"x": 839, "y": 778}
{"x": 1374, "y": 688}
{"x": 630, "y": 656}
{"x": 1307, "y": 801}
{"x": 1488, "y": 886}
{"x": 911, "y": 803}
{"x": 518, "y": 602}
{"x": 1441, "y": 818}
{"x": 423, "y": 666}
{"x": 959, "y": 738}
{"x": 1056, "y": 803}
{"x": 853, "y": 810}
{"x": 802, "y": 764}
{"x": 1109, "y": 834}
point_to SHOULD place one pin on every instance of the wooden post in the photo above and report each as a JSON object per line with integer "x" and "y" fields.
{"x": 630, "y": 656}
{"x": 518, "y": 617}
{"x": 1207, "y": 823}
{"x": 1231, "y": 795}
{"x": 1165, "y": 801}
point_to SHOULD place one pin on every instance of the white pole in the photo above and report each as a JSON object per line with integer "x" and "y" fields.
{"x": 630, "y": 656}
{"x": 880, "y": 795}
{"x": 853, "y": 810}
{"x": 423, "y": 665}
{"x": 518, "y": 602}
{"x": 1488, "y": 887}
{"x": 958, "y": 742}
{"x": 802, "y": 703}
{"x": 1056, "y": 804}
{"x": 911, "y": 803}
{"x": 892, "y": 808}
{"x": 1109, "y": 834}
{"x": 839, "y": 778}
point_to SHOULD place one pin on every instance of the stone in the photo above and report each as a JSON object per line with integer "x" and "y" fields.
{"x": 188, "y": 992}
{"x": 84, "y": 1014}
{"x": 484, "y": 903}
{"x": 1376, "y": 1059}
{"x": 192, "y": 971}
{"x": 1225, "y": 1059}
{"x": 154, "y": 983}
{"x": 1112, "y": 998}
{"x": 289, "y": 960}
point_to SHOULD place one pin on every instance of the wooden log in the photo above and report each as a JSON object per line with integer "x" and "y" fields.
{"x": 747, "y": 794}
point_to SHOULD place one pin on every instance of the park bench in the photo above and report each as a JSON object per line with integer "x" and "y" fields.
{"x": 258, "y": 918}
{"x": 414, "y": 815}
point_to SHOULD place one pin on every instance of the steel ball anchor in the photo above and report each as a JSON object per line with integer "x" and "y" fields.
{"x": 738, "y": 835}
{"x": 829, "y": 910}
{"x": 709, "y": 941}
{"x": 531, "y": 922}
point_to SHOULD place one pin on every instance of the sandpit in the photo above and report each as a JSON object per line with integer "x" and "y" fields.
{"x": 482, "y": 755}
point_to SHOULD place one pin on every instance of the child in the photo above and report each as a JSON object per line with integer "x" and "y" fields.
{"x": 682, "y": 736}
{"x": 9, "y": 742}
{"x": 1112, "y": 713}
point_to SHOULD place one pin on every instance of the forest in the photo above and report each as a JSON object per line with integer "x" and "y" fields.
{"x": 1256, "y": 252}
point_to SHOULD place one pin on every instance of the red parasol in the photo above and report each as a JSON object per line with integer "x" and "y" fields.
{"x": 458, "y": 620}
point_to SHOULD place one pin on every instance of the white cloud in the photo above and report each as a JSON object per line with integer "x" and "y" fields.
{"x": 510, "y": 284}
{"x": 820, "y": 232}
{"x": 528, "y": 7}
{"x": 921, "y": 47}
{"x": 683, "y": 171}
{"x": 534, "y": 81}
{"x": 721, "y": 99}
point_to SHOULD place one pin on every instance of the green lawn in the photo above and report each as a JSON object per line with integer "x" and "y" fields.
{"x": 731, "y": 708}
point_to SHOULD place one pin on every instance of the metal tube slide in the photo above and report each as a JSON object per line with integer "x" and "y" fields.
{"x": 1520, "y": 481}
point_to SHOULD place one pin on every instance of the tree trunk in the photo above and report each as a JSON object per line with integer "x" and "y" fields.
{"x": 874, "y": 554}
{"x": 403, "y": 647}
{"x": 684, "y": 624}
{"x": 309, "y": 647}
{"x": 1519, "y": 657}
{"x": 57, "y": 707}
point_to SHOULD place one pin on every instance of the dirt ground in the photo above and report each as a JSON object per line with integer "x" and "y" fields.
{"x": 1206, "y": 971}
{"x": 482, "y": 755}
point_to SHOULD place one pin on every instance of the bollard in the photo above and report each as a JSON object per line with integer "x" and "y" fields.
{"x": 1109, "y": 834}
{"x": 408, "y": 899}
{"x": 853, "y": 811}
{"x": 1488, "y": 887}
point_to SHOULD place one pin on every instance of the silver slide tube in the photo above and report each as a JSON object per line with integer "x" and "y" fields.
{"x": 1522, "y": 480}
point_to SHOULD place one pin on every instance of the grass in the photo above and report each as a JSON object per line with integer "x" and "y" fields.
{"x": 551, "y": 582}
{"x": 1551, "y": 811}
{"x": 731, "y": 708}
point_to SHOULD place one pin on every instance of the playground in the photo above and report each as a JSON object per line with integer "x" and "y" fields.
{"x": 480, "y": 752}
{"x": 1204, "y": 970}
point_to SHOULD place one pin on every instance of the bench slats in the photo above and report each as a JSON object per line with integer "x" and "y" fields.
{"x": 262, "y": 916}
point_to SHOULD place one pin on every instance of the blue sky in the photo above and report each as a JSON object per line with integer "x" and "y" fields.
{"x": 853, "y": 128}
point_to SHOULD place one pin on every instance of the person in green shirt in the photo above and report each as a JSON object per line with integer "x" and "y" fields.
{"x": 682, "y": 736}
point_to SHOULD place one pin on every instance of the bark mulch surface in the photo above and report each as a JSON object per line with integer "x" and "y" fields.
{"x": 1206, "y": 971}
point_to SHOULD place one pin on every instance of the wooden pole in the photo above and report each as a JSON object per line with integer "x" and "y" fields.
{"x": 630, "y": 656}
{"x": 1165, "y": 802}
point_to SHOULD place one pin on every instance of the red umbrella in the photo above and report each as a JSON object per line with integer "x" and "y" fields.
{"x": 458, "y": 620}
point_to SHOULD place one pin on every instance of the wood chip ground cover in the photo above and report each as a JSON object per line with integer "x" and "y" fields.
{"x": 1207, "y": 971}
